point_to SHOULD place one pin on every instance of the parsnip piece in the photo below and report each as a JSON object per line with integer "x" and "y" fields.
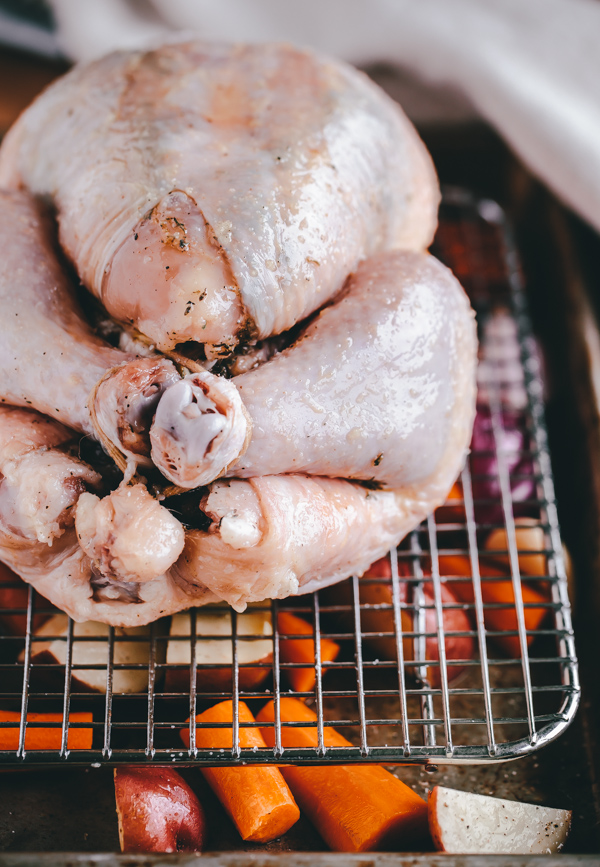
{"x": 95, "y": 653}
{"x": 464, "y": 823}
{"x": 214, "y": 650}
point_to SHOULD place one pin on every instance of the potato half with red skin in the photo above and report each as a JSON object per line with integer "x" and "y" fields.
{"x": 374, "y": 619}
{"x": 157, "y": 811}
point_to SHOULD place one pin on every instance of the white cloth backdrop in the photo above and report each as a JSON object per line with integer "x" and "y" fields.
{"x": 530, "y": 67}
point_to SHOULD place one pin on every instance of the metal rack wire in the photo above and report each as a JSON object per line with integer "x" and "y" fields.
{"x": 434, "y": 665}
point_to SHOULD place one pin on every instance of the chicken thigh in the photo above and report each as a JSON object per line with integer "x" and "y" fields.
{"x": 374, "y": 388}
{"x": 213, "y": 193}
{"x": 49, "y": 357}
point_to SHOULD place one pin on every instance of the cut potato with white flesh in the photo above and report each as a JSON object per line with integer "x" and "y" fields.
{"x": 214, "y": 647}
{"x": 529, "y": 536}
{"x": 128, "y": 649}
{"x": 464, "y": 823}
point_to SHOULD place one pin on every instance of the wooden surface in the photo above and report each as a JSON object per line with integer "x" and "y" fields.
{"x": 22, "y": 77}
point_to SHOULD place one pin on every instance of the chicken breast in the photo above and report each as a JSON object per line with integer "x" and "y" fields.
{"x": 213, "y": 192}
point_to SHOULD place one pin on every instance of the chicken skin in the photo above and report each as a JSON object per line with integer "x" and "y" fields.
{"x": 49, "y": 357}
{"x": 100, "y": 559}
{"x": 212, "y": 193}
{"x": 42, "y": 486}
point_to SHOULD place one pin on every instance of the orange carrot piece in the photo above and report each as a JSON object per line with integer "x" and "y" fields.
{"x": 258, "y": 800}
{"x": 498, "y": 592}
{"x": 302, "y": 650}
{"x": 355, "y": 808}
{"x": 45, "y": 738}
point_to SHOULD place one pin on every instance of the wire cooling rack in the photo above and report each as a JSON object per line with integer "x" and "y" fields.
{"x": 436, "y": 661}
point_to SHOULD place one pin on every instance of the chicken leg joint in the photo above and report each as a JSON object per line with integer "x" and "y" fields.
{"x": 200, "y": 428}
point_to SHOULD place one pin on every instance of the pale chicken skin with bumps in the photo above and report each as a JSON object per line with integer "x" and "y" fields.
{"x": 270, "y": 537}
{"x": 213, "y": 192}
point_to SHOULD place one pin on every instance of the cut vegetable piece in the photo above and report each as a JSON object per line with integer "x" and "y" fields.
{"x": 302, "y": 650}
{"x": 502, "y": 619}
{"x": 355, "y": 808}
{"x": 529, "y": 536}
{"x": 514, "y": 443}
{"x": 257, "y": 799}
{"x": 45, "y": 738}
{"x": 453, "y": 510}
{"x": 215, "y": 647}
{"x": 130, "y": 647}
{"x": 157, "y": 811}
{"x": 464, "y": 823}
{"x": 377, "y": 616}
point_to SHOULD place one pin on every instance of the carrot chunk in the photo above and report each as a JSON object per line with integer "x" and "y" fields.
{"x": 355, "y": 808}
{"x": 258, "y": 800}
{"x": 302, "y": 650}
{"x": 497, "y": 592}
{"x": 45, "y": 738}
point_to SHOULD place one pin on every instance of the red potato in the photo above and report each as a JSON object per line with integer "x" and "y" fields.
{"x": 498, "y": 593}
{"x": 464, "y": 823}
{"x": 381, "y": 620}
{"x": 213, "y": 628}
{"x": 157, "y": 811}
{"x": 453, "y": 510}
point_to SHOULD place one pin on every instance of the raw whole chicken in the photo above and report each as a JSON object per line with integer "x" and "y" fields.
{"x": 212, "y": 193}
{"x": 270, "y": 207}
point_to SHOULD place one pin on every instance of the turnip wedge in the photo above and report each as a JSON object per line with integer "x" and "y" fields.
{"x": 465, "y": 823}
